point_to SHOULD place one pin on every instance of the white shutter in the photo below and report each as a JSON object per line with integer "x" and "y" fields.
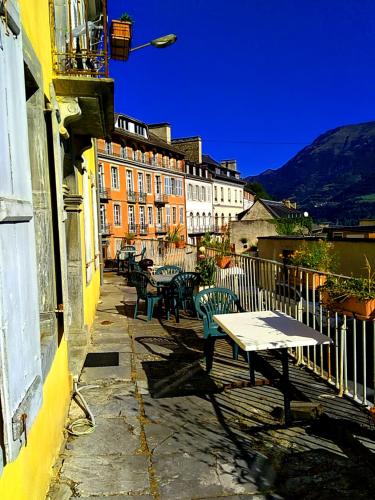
{"x": 20, "y": 359}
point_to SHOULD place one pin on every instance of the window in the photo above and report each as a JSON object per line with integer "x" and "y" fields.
{"x": 167, "y": 185}
{"x": 108, "y": 147}
{"x": 150, "y": 215}
{"x": 190, "y": 192}
{"x": 222, "y": 193}
{"x": 240, "y": 196}
{"x": 191, "y": 220}
{"x": 134, "y": 154}
{"x": 215, "y": 193}
{"x": 117, "y": 215}
{"x": 179, "y": 187}
{"x": 181, "y": 215}
{"x": 129, "y": 181}
{"x": 148, "y": 183}
{"x": 174, "y": 215}
{"x": 158, "y": 184}
{"x": 154, "y": 160}
{"x": 168, "y": 215}
{"x": 229, "y": 195}
{"x": 164, "y": 161}
{"x": 172, "y": 162}
{"x": 203, "y": 193}
{"x": 101, "y": 177}
{"x": 235, "y": 195}
{"x": 173, "y": 182}
{"x": 124, "y": 151}
{"x": 197, "y": 197}
{"x": 142, "y": 217}
{"x": 141, "y": 187}
{"x": 115, "y": 183}
{"x": 159, "y": 215}
{"x": 209, "y": 193}
{"x": 131, "y": 218}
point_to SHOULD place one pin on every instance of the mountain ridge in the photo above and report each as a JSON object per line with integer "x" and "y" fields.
{"x": 333, "y": 177}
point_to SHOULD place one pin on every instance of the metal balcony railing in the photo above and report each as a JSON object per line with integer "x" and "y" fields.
{"x": 160, "y": 199}
{"x": 104, "y": 194}
{"x": 160, "y": 228}
{"x": 142, "y": 198}
{"x": 143, "y": 229}
{"x": 80, "y": 47}
{"x": 132, "y": 197}
{"x": 132, "y": 228}
{"x": 106, "y": 229}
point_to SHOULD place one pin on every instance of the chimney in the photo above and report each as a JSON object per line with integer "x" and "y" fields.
{"x": 231, "y": 164}
{"x": 162, "y": 130}
{"x": 190, "y": 147}
{"x": 290, "y": 204}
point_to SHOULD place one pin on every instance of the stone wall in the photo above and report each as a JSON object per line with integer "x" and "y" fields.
{"x": 250, "y": 229}
{"x": 191, "y": 147}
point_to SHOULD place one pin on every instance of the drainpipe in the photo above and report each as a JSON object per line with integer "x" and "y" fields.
{"x": 101, "y": 263}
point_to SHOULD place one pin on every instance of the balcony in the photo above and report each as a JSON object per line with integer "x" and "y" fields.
{"x": 132, "y": 197}
{"x": 105, "y": 194}
{"x": 142, "y": 229}
{"x": 132, "y": 228}
{"x": 160, "y": 199}
{"x": 142, "y": 198}
{"x": 106, "y": 229}
{"x": 160, "y": 228}
{"x": 80, "y": 59}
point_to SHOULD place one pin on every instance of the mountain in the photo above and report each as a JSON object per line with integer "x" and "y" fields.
{"x": 333, "y": 178}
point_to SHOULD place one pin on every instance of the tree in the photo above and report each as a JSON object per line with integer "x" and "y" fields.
{"x": 258, "y": 190}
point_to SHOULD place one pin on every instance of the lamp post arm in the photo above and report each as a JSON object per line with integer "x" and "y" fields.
{"x": 140, "y": 47}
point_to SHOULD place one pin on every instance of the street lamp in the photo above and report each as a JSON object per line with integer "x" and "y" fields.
{"x": 159, "y": 43}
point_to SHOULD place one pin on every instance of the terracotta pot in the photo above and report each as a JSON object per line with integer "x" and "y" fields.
{"x": 121, "y": 33}
{"x": 363, "y": 309}
{"x": 223, "y": 262}
{"x": 180, "y": 244}
{"x": 314, "y": 280}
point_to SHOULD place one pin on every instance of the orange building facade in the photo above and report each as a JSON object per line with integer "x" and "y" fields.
{"x": 141, "y": 185}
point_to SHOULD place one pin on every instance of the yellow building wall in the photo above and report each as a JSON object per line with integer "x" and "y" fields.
{"x": 36, "y": 24}
{"x": 28, "y": 477}
{"x": 91, "y": 291}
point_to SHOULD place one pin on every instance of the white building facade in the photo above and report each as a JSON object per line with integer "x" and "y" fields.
{"x": 199, "y": 207}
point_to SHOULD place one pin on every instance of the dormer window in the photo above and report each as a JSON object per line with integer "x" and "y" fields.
{"x": 134, "y": 154}
{"x": 124, "y": 151}
{"x": 108, "y": 147}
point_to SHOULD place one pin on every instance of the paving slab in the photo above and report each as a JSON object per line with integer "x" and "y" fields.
{"x": 95, "y": 475}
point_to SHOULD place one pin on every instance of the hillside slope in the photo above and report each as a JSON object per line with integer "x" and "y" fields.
{"x": 333, "y": 178}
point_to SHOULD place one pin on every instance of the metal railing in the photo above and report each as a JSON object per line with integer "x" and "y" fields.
{"x": 160, "y": 228}
{"x": 132, "y": 228}
{"x": 160, "y": 198}
{"x": 105, "y": 229}
{"x": 347, "y": 364}
{"x": 105, "y": 194}
{"x": 132, "y": 197}
{"x": 80, "y": 47}
{"x": 142, "y": 197}
{"x": 142, "y": 229}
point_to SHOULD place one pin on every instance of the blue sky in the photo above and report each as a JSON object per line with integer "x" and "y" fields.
{"x": 256, "y": 79}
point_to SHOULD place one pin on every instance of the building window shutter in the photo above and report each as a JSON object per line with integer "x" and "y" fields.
{"x": 20, "y": 354}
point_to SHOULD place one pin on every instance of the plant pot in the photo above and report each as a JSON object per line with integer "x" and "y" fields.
{"x": 314, "y": 280}
{"x": 363, "y": 309}
{"x": 130, "y": 242}
{"x": 223, "y": 262}
{"x": 180, "y": 244}
{"x": 121, "y": 34}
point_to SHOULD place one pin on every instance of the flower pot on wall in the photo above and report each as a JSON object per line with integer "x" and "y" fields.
{"x": 120, "y": 38}
{"x": 224, "y": 261}
{"x": 180, "y": 244}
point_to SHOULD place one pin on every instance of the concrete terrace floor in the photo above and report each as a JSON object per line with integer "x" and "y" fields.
{"x": 166, "y": 430}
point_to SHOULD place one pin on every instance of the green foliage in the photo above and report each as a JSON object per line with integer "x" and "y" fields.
{"x": 173, "y": 235}
{"x": 258, "y": 190}
{"x": 292, "y": 225}
{"x": 129, "y": 236}
{"x": 317, "y": 255}
{"x": 362, "y": 288}
{"x": 220, "y": 243}
{"x": 206, "y": 267}
{"x": 125, "y": 17}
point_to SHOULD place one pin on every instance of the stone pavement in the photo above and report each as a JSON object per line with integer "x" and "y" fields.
{"x": 166, "y": 430}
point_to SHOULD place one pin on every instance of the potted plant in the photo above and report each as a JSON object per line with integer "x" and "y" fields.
{"x": 181, "y": 243}
{"x": 130, "y": 238}
{"x": 173, "y": 236}
{"x": 223, "y": 259}
{"x": 206, "y": 267}
{"x": 316, "y": 256}
{"x": 120, "y": 37}
{"x": 355, "y": 295}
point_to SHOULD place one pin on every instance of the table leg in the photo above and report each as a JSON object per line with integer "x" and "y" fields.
{"x": 285, "y": 385}
{"x": 250, "y": 359}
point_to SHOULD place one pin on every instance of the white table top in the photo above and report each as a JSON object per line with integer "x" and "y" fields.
{"x": 162, "y": 279}
{"x": 261, "y": 330}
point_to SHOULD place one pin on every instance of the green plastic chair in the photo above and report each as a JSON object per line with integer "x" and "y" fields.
{"x": 166, "y": 270}
{"x": 212, "y": 301}
{"x": 141, "y": 281}
{"x": 180, "y": 293}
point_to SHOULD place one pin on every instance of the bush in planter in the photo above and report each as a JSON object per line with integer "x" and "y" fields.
{"x": 317, "y": 255}
{"x": 354, "y": 295}
{"x": 173, "y": 235}
{"x": 206, "y": 267}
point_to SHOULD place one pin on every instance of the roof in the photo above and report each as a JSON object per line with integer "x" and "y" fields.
{"x": 152, "y": 140}
{"x": 208, "y": 159}
{"x": 276, "y": 208}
